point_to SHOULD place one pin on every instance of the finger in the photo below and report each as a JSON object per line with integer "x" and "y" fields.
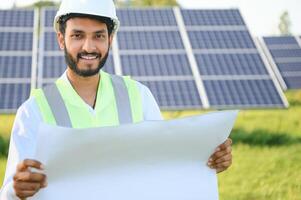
{"x": 30, "y": 177}
{"x": 226, "y": 157}
{"x": 29, "y": 163}
{"x": 224, "y": 145}
{"x": 25, "y": 194}
{"x": 27, "y": 186}
{"x": 223, "y": 165}
{"x": 220, "y": 154}
{"x": 218, "y": 170}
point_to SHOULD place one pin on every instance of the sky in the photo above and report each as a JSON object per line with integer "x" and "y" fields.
{"x": 261, "y": 16}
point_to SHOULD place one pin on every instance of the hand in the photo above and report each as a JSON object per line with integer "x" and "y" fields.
{"x": 27, "y": 183}
{"x": 221, "y": 159}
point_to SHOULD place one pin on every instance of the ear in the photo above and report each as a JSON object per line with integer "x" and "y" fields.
{"x": 60, "y": 40}
{"x": 111, "y": 39}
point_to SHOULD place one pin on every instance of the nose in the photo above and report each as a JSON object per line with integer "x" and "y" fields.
{"x": 89, "y": 46}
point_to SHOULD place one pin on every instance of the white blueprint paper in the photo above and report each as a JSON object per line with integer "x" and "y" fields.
{"x": 154, "y": 160}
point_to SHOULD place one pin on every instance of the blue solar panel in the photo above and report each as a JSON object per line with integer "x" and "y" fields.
{"x": 146, "y": 17}
{"x": 49, "y": 15}
{"x": 16, "y": 18}
{"x": 15, "y": 66}
{"x": 50, "y": 42}
{"x": 211, "y": 17}
{"x": 293, "y": 82}
{"x": 282, "y": 40}
{"x": 150, "y": 40}
{"x": 245, "y": 93}
{"x": 220, "y": 39}
{"x": 289, "y": 67}
{"x": 16, "y": 41}
{"x": 286, "y": 54}
{"x": 230, "y": 64}
{"x": 281, "y": 53}
{"x": 13, "y": 95}
{"x": 175, "y": 94}
{"x": 54, "y": 66}
{"x": 155, "y": 65}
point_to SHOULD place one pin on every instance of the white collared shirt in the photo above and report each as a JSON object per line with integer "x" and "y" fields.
{"x": 24, "y": 134}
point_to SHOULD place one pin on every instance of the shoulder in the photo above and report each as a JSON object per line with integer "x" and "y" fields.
{"x": 27, "y": 116}
{"x": 150, "y": 106}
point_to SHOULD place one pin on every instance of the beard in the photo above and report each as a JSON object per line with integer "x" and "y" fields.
{"x": 73, "y": 63}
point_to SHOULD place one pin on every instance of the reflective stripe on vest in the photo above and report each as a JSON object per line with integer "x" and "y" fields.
{"x": 60, "y": 112}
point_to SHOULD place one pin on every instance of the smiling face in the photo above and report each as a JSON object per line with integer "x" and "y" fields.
{"x": 86, "y": 44}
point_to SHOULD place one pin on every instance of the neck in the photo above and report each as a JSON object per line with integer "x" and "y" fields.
{"x": 86, "y": 87}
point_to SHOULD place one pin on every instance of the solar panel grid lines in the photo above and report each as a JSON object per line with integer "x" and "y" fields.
{"x": 225, "y": 62}
{"x": 285, "y": 54}
{"x": 270, "y": 72}
{"x": 146, "y": 17}
{"x": 152, "y": 51}
{"x": 150, "y": 47}
{"x": 16, "y": 18}
{"x": 193, "y": 17}
{"x": 187, "y": 44}
{"x": 17, "y": 56}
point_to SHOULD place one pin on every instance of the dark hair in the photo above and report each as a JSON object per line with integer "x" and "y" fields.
{"x": 63, "y": 19}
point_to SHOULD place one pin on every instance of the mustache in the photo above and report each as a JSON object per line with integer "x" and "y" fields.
{"x": 79, "y": 55}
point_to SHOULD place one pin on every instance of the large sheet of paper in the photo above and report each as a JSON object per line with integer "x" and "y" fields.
{"x": 152, "y": 160}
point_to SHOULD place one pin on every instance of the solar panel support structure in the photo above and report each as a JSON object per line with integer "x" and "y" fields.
{"x": 116, "y": 56}
{"x": 191, "y": 58}
{"x": 272, "y": 63}
{"x": 34, "y": 66}
{"x": 41, "y": 52}
{"x": 270, "y": 71}
{"x": 298, "y": 39}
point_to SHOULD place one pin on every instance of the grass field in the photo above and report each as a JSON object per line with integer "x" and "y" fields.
{"x": 266, "y": 153}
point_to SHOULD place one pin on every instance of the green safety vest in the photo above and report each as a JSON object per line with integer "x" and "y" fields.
{"x": 118, "y": 102}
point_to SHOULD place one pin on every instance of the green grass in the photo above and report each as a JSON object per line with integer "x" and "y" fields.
{"x": 2, "y": 169}
{"x": 266, "y": 153}
{"x": 262, "y": 172}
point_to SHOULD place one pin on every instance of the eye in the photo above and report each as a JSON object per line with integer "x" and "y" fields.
{"x": 76, "y": 36}
{"x": 100, "y": 36}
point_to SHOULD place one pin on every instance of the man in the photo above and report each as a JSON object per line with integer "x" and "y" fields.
{"x": 84, "y": 96}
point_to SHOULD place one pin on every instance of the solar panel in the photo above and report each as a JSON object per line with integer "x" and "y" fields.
{"x": 13, "y": 95}
{"x": 152, "y": 48}
{"x": 230, "y": 66}
{"x": 168, "y": 74}
{"x": 16, "y": 57}
{"x": 146, "y": 17}
{"x": 15, "y": 66}
{"x": 16, "y": 41}
{"x": 242, "y": 93}
{"x": 194, "y": 17}
{"x": 149, "y": 40}
{"x": 220, "y": 39}
{"x": 285, "y": 54}
{"x": 16, "y": 18}
{"x": 156, "y": 65}
{"x": 175, "y": 94}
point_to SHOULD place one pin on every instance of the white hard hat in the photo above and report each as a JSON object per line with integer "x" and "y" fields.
{"x": 102, "y": 8}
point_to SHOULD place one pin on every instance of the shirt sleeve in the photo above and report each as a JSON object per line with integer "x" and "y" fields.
{"x": 22, "y": 144}
{"x": 151, "y": 110}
